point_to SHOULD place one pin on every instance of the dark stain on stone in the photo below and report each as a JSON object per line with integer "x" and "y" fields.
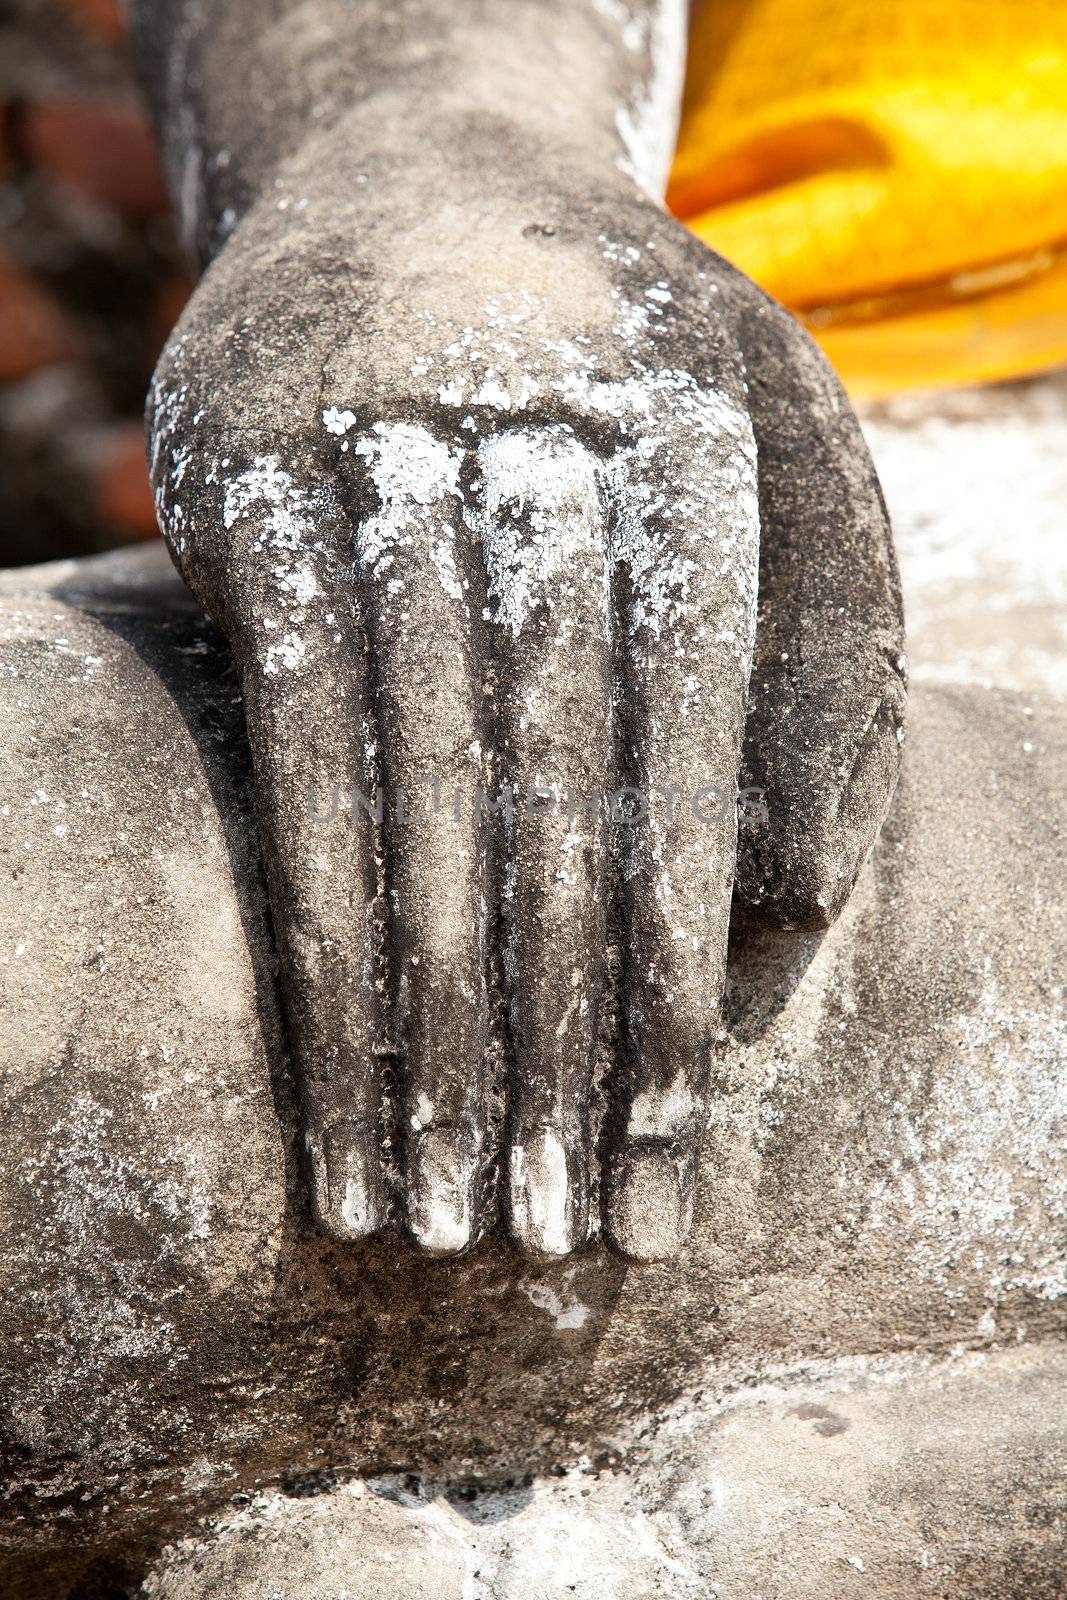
{"x": 827, "y": 1422}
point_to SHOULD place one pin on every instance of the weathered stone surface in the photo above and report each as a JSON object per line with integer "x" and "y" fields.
{"x": 975, "y": 480}
{"x": 881, "y": 1173}
{"x": 899, "y": 1477}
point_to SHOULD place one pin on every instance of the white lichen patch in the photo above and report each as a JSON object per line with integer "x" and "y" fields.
{"x": 687, "y": 501}
{"x": 285, "y": 656}
{"x": 678, "y": 491}
{"x": 416, "y": 479}
{"x": 338, "y": 421}
{"x": 422, "y": 1116}
{"x": 563, "y": 1306}
{"x": 280, "y": 514}
{"x": 495, "y": 394}
{"x": 542, "y": 519}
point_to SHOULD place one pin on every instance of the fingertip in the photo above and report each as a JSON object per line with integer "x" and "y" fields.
{"x": 441, "y": 1206}
{"x": 649, "y": 1209}
{"x": 547, "y": 1187}
{"x": 347, "y": 1192}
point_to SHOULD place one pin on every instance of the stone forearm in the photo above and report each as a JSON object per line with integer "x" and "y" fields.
{"x": 241, "y": 87}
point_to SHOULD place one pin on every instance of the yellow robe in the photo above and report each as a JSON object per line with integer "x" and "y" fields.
{"x": 895, "y": 171}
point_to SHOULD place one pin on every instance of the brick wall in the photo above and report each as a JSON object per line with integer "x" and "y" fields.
{"x": 90, "y": 281}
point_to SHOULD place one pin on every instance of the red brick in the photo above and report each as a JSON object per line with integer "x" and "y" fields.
{"x": 34, "y": 331}
{"x": 104, "y": 151}
{"x": 123, "y": 494}
{"x": 102, "y": 17}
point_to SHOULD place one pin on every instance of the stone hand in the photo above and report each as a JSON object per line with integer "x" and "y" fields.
{"x": 469, "y": 459}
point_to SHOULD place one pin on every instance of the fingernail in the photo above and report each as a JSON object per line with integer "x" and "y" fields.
{"x": 440, "y": 1191}
{"x": 650, "y": 1204}
{"x": 347, "y": 1184}
{"x": 547, "y": 1211}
